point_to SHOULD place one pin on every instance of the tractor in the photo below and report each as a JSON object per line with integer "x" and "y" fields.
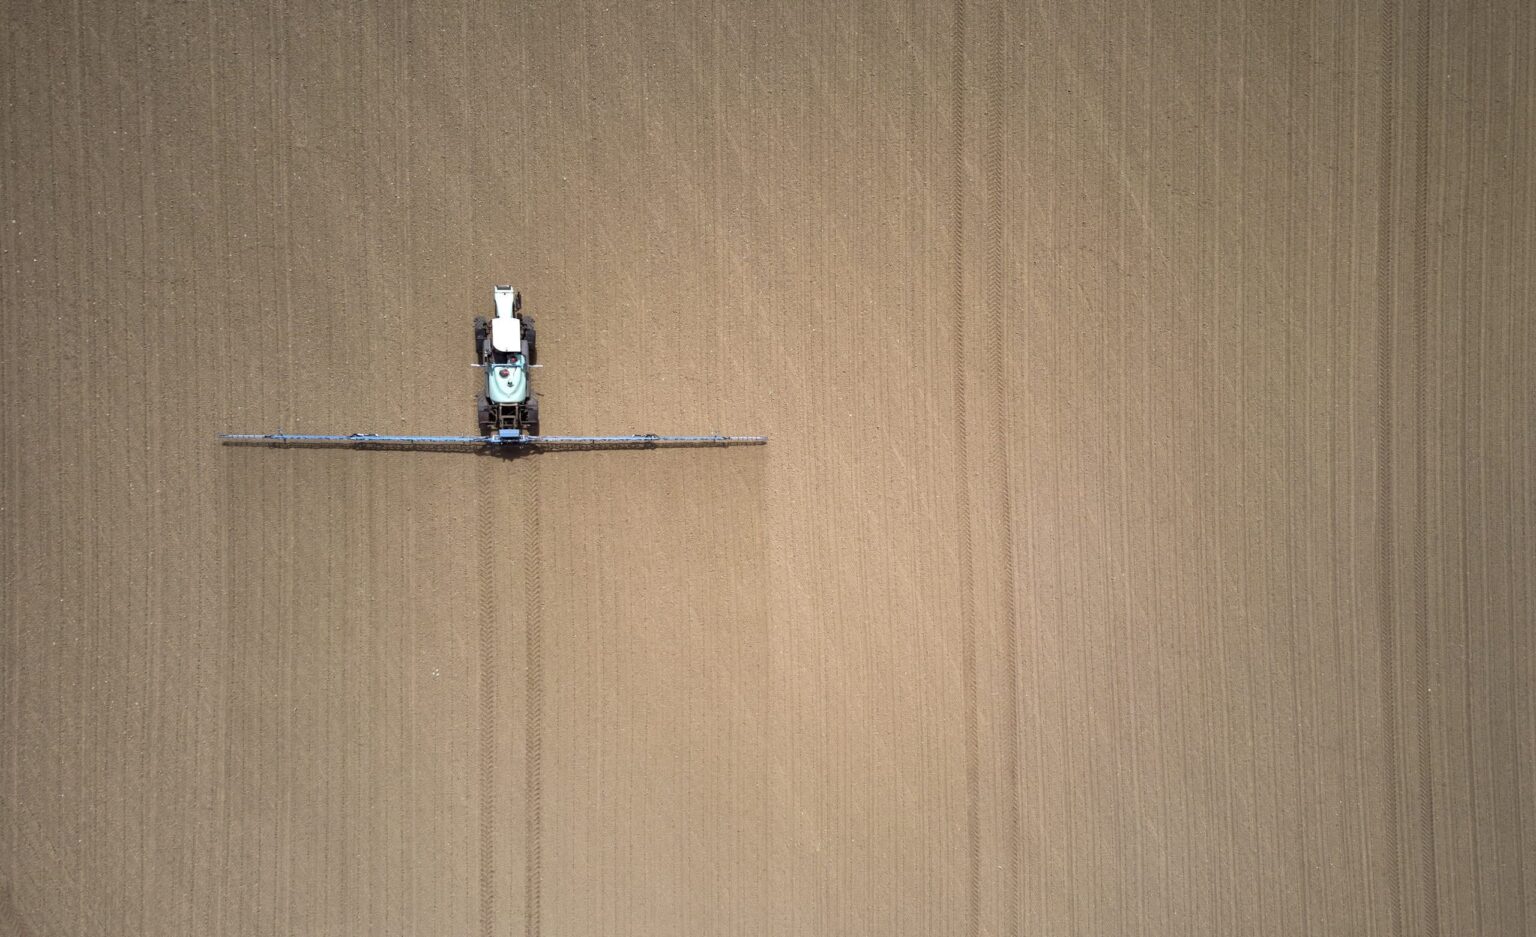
{"x": 506, "y": 347}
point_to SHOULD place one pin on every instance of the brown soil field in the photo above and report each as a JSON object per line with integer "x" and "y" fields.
{"x": 1145, "y": 544}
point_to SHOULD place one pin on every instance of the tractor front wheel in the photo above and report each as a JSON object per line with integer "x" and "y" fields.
{"x": 482, "y": 331}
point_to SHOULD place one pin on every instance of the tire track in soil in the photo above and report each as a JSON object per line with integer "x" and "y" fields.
{"x": 1386, "y": 621}
{"x": 999, "y": 463}
{"x": 534, "y": 740}
{"x": 488, "y": 675}
{"x": 1429, "y": 881}
{"x": 962, "y": 475}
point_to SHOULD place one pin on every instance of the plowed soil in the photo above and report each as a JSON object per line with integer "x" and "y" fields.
{"x": 1144, "y": 545}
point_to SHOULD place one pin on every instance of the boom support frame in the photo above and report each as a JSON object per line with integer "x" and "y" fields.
{"x": 501, "y": 439}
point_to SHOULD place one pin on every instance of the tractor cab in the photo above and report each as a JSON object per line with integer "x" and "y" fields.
{"x": 507, "y": 381}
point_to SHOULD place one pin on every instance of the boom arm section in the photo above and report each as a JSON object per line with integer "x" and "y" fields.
{"x": 503, "y": 438}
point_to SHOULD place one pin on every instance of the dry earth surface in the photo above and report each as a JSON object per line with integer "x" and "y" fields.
{"x": 1144, "y": 545}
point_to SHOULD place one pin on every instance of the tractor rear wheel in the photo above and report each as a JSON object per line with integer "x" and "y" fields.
{"x": 483, "y": 415}
{"x": 531, "y": 416}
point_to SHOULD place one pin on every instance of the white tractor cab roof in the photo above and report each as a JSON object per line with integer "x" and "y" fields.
{"x": 506, "y": 328}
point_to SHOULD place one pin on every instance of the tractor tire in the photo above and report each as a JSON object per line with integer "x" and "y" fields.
{"x": 531, "y": 338}
{"x": 483, "y": 415}
{"x": 482, "y": 331}
{"x": 531, "y": 416}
